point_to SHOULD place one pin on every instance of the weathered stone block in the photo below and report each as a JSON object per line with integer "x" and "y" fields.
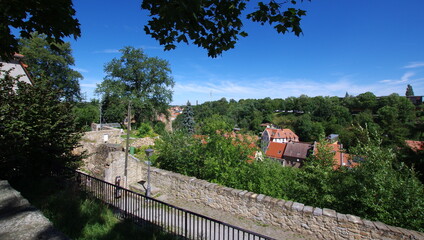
{"x": 354, "y": 219}
{"x": 395, "y": 230}
{"x": 368, "y": 224}
{"x": 267, "y": 200}
{"x": 297, "y": 206}
{"x": 341, "y": 217}
{"x": 260, "y": 197}
{"x": 329, "y": 212}
{"x": 288, "y": 204}
{"x": 281, "y": 203}
{"x": 317, "y": 212}
{"x": 242, "y": 193}
{"x": 308, "y": 210}
{"x": 381, "y": 226}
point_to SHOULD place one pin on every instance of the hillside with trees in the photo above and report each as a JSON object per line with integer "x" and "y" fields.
{"x": 384, "y": 187}
{"x": 393, "y": 116}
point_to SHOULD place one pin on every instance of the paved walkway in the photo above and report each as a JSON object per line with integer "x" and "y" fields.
{"x": 254, "y": 226}
{"x": 20, "y": 220}
{"x": 193, "y": 226}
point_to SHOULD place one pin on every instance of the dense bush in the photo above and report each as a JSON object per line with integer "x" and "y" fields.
{"x": 37, "y": 130}
{"x": 144, "y": 130}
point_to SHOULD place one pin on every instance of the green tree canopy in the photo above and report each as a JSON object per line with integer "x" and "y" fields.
{"x": 86, "y": 113}
{"x": 55, "y": 19}
{"x": 215, "y": 25}
{"x": 143, "y": 80}
{"x": 216, "y": 123}
{"x": 52, "y": 64}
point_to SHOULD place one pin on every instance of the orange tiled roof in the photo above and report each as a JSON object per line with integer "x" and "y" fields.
{"x": 276, "y": 150}
{"x": 282, "y": 133}
{"x": 415, "y": 145}
{"x": 340, "y": 157}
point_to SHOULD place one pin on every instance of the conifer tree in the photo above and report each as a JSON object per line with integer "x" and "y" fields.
{"x": 409, "y": 91}
{"x": 188, "y": 122}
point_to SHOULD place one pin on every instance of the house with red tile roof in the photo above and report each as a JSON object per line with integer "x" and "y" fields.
{"x": 289, "y": 154}
{"x": 277, "y": 135}
{"x": 276, "y": 150}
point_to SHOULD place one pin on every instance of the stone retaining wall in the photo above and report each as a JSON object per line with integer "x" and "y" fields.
{"x": 293, "y": 216}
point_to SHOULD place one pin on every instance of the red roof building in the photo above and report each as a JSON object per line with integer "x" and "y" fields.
{"x": 276, "y": 150}
{"x": 277, "y": 135}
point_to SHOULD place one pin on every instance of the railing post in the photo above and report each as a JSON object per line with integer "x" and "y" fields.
{"x": 126, "y": 204}
{"x": 185, "y": 223}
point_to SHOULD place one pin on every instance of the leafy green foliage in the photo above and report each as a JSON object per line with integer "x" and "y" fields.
{"x": 384, "y": 189}
{"x": 216, "y": 123}
{"x": 37, "y": 130}
{"x": 135, "y": 77}
{"x": 215, "y": 157}
{"x": 213, "y": 25}
{"x": 55, "y": 19}
{"x": 159, "y": 128}
{"x": 144, "y": 130}
{"x": 51, "y": 62}
{"x": 85, "y": 114}
{"x": 308, "y": 130}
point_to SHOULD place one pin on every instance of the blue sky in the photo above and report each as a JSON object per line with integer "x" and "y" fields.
{"x": 350, "y": 46}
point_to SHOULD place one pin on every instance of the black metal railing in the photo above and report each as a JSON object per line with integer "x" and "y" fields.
{"x": 145, "y": 210}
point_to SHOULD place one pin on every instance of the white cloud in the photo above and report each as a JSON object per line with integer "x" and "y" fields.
{"x": 107, "y": 51}
{"x": 150, "y": 47}
{"x": 88, "y": 85}
{"x": 80, "y": 69}
{"x": 406, "y": 77}
{"x": 414, "y": 65}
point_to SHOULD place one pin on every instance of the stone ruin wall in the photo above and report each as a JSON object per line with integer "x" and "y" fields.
{"x": 288, "y": 215}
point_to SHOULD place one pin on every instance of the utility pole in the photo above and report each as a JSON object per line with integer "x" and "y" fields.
{"x": 100, "y": 108}
{"x": 128, "y": 141}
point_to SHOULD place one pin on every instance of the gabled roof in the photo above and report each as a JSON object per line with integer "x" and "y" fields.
{"x": 297, "y": 150}
{"x": 17, "y": 68}
{"x": 281, "y": 133}
{"x": 276, "y": 150}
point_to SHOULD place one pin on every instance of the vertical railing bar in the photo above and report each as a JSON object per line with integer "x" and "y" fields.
{"x": 185, "y": 225}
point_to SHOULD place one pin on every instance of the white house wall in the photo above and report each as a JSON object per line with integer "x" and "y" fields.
{"x": 17, "y": 71}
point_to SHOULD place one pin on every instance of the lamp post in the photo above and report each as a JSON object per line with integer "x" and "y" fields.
{"x": 149, "y": 153}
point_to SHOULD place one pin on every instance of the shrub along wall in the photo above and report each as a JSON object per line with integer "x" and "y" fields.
{"x": 322, "y": 223}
